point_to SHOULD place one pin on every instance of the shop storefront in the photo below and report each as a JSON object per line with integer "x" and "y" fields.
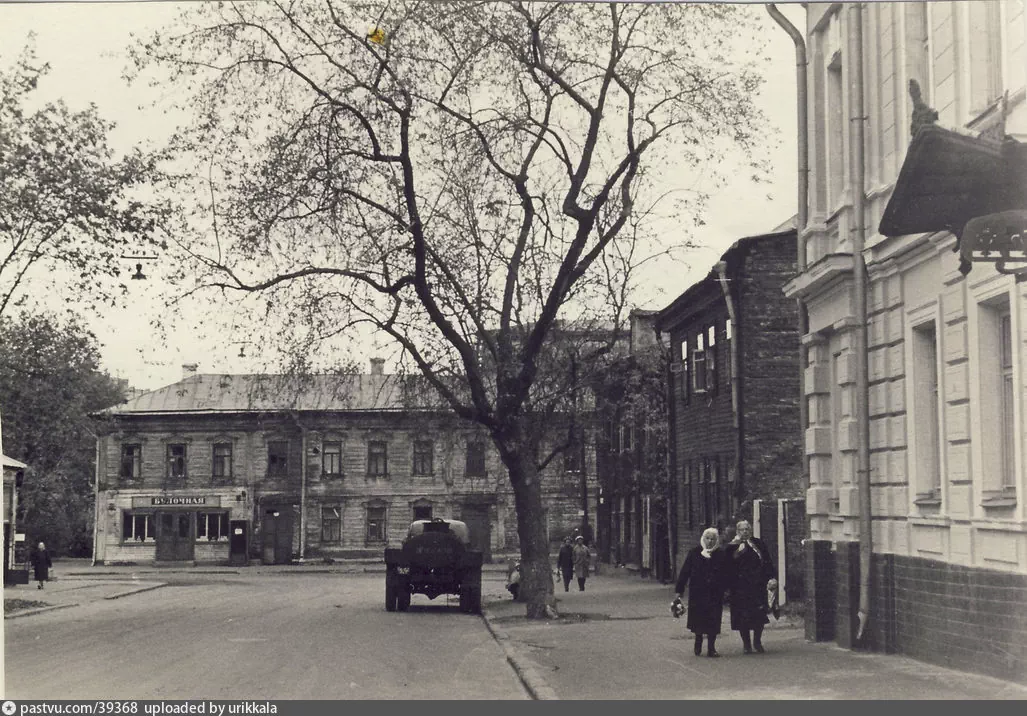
{"x": 201, "y": 528}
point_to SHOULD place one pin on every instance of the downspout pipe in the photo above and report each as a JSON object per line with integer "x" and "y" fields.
{"x": 802, "y": 211}
{"x": 736, "y": 422}
{"x": 672, "y": 456}
{"x": 862, "y": 404}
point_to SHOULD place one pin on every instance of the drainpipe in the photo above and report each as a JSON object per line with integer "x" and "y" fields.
{"x": 672, "y": 457}
{"x": 736, "y": 422}
{"x": 858, "y": 181}
{"x": 802, "y": 215}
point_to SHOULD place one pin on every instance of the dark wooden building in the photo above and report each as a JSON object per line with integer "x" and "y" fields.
{"x": 734, "y": 399}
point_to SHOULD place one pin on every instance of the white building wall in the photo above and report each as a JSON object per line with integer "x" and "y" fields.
{"x": 913, "y": 281}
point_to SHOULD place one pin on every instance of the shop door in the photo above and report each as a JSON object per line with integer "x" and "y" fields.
{"x": 477, "y": 519}
{"x": 238, "y": 547}
{"x": 276, "y": 535}
{"x": 175, "y": 540}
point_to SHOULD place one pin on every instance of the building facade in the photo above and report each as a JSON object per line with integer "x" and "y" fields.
{"x": 15, "y": 549}
{"x": 229, "y": 468}
{"x": 734, "y": 397}
{"x": 947, "y": 437}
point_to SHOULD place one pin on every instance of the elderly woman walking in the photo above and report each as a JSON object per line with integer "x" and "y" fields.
{"x": 582, "y": 557}
{"x": 41, "y": 564}
{"x": 703, "y": 573}
{"x": 751, "y": 574}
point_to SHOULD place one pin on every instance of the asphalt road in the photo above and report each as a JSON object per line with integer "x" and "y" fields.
{"x": 318, "y": 636}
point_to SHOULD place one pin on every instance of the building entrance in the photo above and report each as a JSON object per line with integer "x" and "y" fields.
{"x": 175, "y": 536}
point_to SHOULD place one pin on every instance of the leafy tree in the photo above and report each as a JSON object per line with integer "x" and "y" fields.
{"x": 66, "y": 203}
{"x": 457, "y": 176}
{"x": 50, "y": 383}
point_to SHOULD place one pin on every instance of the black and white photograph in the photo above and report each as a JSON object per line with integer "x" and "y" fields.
{"x": 467, "y": 350}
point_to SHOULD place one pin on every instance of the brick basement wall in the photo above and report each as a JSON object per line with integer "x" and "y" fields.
{"x": 965, "y": 618}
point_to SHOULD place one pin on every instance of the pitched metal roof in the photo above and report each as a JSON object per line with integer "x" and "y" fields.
{"x": 216, "y": 393}
{"x": 12, "y": 463}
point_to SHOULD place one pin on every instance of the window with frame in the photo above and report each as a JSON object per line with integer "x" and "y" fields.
{"x": 572, "y": 457}
{"x": 711, "y": 359}
{"x": 699, "y": 364}
{"x": 680, "y": 367}
{"x": 331, "y": 458}
{"x": 422, "y": 512}
{"x": 221, "y": 467}
{"x": 212, "y": 526}
{"x": 475, "y": 459}
{"x": 131, "y": 461}
{"x": 727, "y": 349}
{"x": 985, "y": 46}
{"x": 176, "y": 454}
{"x": 627, "y": 437}
{"x": 424, "y": 458}
{"x": 375, "y": 523}
{"x": 137, "y": 527}
{"x": 998, "y": 430}
{"x": 377, "y": 458}
{"x": 926, "y": 408}
{"x": 331, "y": 524}
{"x": 277, "y": 458}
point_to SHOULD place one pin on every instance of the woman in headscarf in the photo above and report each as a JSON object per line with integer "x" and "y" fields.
{"x": 581, "y": 557}
{"x": 41, "y": 564}
{"x": 751, "y": 575}
{"x": 703, "y": 573}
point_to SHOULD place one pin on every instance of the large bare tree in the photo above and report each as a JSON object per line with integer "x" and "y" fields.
{"x": 458, "y": 176}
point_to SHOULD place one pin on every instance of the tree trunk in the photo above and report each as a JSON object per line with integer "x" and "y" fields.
{"x": 536, "y": 569}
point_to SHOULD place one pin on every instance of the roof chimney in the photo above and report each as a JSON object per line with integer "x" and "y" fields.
{"x": 189, "y": 370}
{"x": 377, "y": 366}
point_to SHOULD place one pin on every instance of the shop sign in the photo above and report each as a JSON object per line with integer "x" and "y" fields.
{"x": 177, "y": 501}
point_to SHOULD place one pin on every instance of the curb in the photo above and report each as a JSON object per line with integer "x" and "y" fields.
{"x": 39, "y": 610}
{"x": 535, "y": 685}
{"x": 147, "y": 588}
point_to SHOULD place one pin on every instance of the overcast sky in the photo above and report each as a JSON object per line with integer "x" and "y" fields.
{"x": 84, "y": 43}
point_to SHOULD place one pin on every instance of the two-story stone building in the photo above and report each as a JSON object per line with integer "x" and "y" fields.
{"x": 225, "y": 468}
{"x": 735, "y": 395}
{"x": 937, "y": 398}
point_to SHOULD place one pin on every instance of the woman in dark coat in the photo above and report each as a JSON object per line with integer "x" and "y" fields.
{"x": 41, "y": 564}
{"x": 703, "y": 573}
{"x": 751, "y": 573}
{"x": 565, "y": 561}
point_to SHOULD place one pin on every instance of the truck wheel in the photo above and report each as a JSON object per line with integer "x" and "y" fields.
{"x": 391, "y": 595}
{"x": 465, "y": 599}
{"x": 403, "y": 597}
{"x": 474, "y": 601}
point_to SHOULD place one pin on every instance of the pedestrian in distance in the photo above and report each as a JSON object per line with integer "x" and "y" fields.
{"x": 582, "y": 557}
{"x": 513, "y": 580}
{"x": 41, "y": 564}
{"x": 703, "y": 572}
{"x": 751, "y": 575}
{"x": 565, "y": 563}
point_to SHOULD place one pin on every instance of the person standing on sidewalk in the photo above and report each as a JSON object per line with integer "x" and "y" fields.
{"x": 41, "y": 564}
{"x": 751, "y": 574}
{"x": 582, "y": 557}
{"x": 565, "y": 563}
{"x": 703, "y": 573}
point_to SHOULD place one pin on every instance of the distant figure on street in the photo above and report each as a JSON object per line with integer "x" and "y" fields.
{"x": 750, "y": 575}
{"x": 703, "y": 572}
{"x": 582, "y": 557}
{"x": 41, "y": 564}
{"x": 565, "y": 562}
{"x": 513, "y": 580}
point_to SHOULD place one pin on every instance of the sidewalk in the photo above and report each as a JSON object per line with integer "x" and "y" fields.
{"x": 618, "y": 640}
